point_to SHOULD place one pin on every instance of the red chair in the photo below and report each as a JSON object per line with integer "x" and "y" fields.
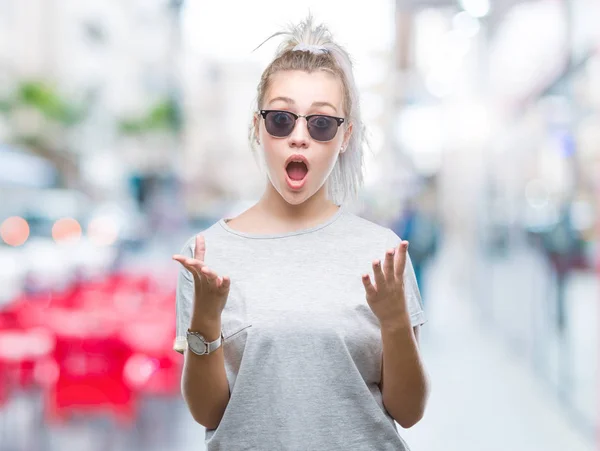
{"x": 110, "y": 342}
{"x": 90, "y": 359}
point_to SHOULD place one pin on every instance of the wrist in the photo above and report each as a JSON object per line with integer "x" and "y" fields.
{"x": 396, "y": 324}
{"x": 210, "y": 329}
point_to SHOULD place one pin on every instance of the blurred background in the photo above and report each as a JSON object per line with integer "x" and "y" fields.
{"x": 123, "y": 131}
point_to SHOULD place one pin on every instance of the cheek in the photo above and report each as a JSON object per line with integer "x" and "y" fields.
{"x": 271, "y": 146}
{"x": 326, "y": 160}
{"x": 273, "y": 154}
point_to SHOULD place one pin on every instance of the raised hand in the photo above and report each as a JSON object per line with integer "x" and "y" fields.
{"x": 210, "y": 289}
{"x": 386, "y": 298}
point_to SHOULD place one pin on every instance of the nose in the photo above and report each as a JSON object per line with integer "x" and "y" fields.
{"x": 299, "y": 136}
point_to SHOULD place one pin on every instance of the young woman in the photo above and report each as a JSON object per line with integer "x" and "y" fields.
{"x": 289, "y": 342}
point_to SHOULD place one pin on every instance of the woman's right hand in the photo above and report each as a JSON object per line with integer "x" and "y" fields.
{"x": 210, "y": 289}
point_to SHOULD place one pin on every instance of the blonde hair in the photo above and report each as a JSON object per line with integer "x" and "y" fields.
{"x": 317, "y": 51}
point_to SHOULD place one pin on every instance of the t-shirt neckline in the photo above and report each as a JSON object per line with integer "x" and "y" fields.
{"x": 332, "y": 218}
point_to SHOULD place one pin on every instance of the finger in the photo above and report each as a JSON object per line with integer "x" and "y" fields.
{"x": 191, "y": 264}
{"x": 200, "y": 249}
{"x": 388, "y": 264}
{"x": 186, "y": 260}
{"x": 211, "y": 276}
{"x": 225, "y": 284}
{"x": 369, "y": 288}
{"x": 400, "y": 260}
{"x": 178, "y": 257}
{"x": 378, "y": 272}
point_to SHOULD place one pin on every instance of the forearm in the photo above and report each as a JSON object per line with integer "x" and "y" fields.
{"x": 204, "y": 384}
{"x": 405, "y": 385}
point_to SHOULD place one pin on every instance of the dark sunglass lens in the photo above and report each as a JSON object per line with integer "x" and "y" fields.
{"x": 322, "y": 128}
{"x": 279, "y": 123}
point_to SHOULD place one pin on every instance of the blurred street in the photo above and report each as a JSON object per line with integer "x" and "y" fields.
{"x": 485, "y": 394}
{"x": 124, "y": 130}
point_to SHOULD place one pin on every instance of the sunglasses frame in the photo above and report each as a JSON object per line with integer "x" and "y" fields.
{"x": 339, "y": 120}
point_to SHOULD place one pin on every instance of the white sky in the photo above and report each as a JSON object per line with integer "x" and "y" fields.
{"x": 231, "y": 30}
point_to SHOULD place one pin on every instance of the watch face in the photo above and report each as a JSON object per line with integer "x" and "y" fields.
{"x": 196, "y": 344}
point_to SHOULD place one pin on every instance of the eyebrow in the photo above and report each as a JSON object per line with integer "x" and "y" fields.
{"x": 292, "y": 102}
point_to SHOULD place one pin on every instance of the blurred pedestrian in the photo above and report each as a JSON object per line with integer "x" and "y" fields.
{"x": 421, "y": 228}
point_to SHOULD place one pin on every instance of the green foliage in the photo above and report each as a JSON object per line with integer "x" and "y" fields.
{"x": 44, "y": 98}
{"x": 163, "y": 116}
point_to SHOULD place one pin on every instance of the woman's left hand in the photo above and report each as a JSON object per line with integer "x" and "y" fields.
{"x": 386, "y": 299}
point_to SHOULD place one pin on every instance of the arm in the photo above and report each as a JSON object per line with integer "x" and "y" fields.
{"x": 406, "y": 387}
{"x": 204, "y": 384}
{"x": 395, "y": 299}
{"x": 201, "y": 296}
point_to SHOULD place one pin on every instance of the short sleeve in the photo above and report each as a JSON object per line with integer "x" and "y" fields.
{"x": 184, "y": 299}
{"x": 411, "y": 288}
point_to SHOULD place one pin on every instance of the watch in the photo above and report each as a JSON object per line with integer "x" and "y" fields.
{"x": 198, "y": 344}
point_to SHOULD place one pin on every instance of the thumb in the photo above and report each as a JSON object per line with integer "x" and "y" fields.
{"x": 225, "y": 284}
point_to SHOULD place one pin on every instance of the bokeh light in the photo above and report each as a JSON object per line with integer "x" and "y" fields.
{"x": 66, "y": 229}
{"x": 103, "y": 231}
{"x": 14, "y": 231}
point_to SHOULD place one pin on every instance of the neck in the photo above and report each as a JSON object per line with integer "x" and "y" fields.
{"x": 313, "y": 209}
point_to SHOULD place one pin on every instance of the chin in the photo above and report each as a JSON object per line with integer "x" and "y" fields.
{"x": 294, "y": 198}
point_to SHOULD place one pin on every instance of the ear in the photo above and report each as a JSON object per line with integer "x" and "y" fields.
{"x": 256, "y": 125}
{"x": 347, "y": 135}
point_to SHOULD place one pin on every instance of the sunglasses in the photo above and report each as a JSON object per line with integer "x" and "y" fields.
{"x": 280, "y": 124}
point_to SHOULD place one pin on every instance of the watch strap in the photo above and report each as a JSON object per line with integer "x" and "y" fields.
{"x": 209, "y": 346}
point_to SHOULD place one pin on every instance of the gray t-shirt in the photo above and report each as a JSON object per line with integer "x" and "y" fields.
{"x": 302, "y": 348}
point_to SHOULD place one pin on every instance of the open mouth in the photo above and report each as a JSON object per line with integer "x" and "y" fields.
{"x": 296, "y": 170}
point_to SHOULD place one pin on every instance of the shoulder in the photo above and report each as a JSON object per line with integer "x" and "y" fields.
{"x": 210, "y": 233}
